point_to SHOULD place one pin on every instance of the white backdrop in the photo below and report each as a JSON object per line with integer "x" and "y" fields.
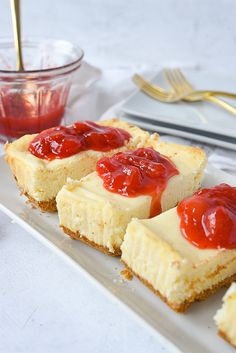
{"x": 137, "y": 31}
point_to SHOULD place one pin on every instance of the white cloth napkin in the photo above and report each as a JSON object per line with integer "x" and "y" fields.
{"x": 224, "y": 159}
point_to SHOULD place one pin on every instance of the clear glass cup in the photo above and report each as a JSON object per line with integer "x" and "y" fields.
{"x": 35, "y": 99}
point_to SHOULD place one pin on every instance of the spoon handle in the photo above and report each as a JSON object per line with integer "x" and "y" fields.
{"x": 15, "y": 13}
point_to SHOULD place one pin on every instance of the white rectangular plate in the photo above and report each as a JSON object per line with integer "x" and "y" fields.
{"x": 199, "y": 120}
{"x": 193, "y": 332}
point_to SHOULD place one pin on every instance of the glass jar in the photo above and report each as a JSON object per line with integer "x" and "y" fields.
{"x": 35, "y": 99}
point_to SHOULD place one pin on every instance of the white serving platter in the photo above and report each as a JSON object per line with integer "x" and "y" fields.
{"x": 193, "y": 332}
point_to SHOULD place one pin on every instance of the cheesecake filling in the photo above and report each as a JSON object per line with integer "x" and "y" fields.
{"x": 61, "y": 141}
{"x": 135, "y": 173}
{"x": 225, "y": 316}
{"x": 170, "y": 265}
{"x": 208, "y": 218}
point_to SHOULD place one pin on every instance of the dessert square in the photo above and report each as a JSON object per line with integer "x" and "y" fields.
{"x": 181, "y": 271}
{"x": 90, "y": 213}
{"x": 41, "y": 179}
{"x": 225, "y": 316}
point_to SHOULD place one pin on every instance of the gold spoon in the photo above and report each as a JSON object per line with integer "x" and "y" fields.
{"x": 15, "y": 13}
{"x": 22, "y": 98}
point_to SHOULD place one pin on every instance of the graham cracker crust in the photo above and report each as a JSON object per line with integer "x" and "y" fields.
{"x": 127, "y": 274}
{"x": 181, "y": 308}
{"x": 78, "y": 236}
{"x": 45, "y": 206}
{"x": 225, "y": 337}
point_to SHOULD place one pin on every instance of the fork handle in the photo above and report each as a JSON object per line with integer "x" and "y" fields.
{"x": 221, "y": 103}
{"x": 215, "y": 93}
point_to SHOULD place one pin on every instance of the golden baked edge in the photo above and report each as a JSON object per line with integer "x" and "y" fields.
{"x": 44, "y": 206}
{"x": 184, "y": 306}
{"x": 78, "y": 236}
{"x": 226, "y": 338}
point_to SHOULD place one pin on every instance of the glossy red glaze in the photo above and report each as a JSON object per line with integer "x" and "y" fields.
{"x": 135, "y": 173}
{"x": 208, "y": 218}
{"x": 61, "y": 142}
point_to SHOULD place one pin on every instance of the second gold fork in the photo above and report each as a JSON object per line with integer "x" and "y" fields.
{"x": 181, "y": 85}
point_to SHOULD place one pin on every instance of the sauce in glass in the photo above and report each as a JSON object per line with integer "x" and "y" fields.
{"x": 30, "y": 112}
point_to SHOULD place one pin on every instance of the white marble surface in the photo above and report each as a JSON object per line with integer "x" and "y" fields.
{"x": 136, "y": 31}
{"x": 45, "y": 306}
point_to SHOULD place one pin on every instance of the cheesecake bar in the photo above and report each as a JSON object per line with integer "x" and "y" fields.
{"x": 179, "y": 268}
{"x": 41, "y": 179}
{"x": 91, "y": 213}
{"x": 225, "y": 317}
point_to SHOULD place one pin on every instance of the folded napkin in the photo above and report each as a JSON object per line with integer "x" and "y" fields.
{"x": 224, "y": 159}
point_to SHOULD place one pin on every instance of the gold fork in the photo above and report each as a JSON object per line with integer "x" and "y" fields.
{"x": 181, "y": 86}
{"x": 156, "y": 92}
{"x": 140, "y": 81}
{"x": 172, "y": 96}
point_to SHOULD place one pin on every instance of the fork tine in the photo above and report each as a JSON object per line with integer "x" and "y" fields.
{"x": 184, "y": 80}
{"x": 142, "y": 83}
{"x": 181, "y": 83}
{"x": 166, "y": 99}
{"x": 146, "y": 88}
{"x": 168, "y": 77}
{"x": 149, "y": 88}
{"x": 171, "y": 78}
{"x": 155, "y": 92}
{"x": 177, "y": 82}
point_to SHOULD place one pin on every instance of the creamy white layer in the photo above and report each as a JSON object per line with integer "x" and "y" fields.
{"x": 42, "y": 179}
{"x": 156, "y": 251}
{"x": 101, "y": 216}
{"x": 225, "y": 317}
